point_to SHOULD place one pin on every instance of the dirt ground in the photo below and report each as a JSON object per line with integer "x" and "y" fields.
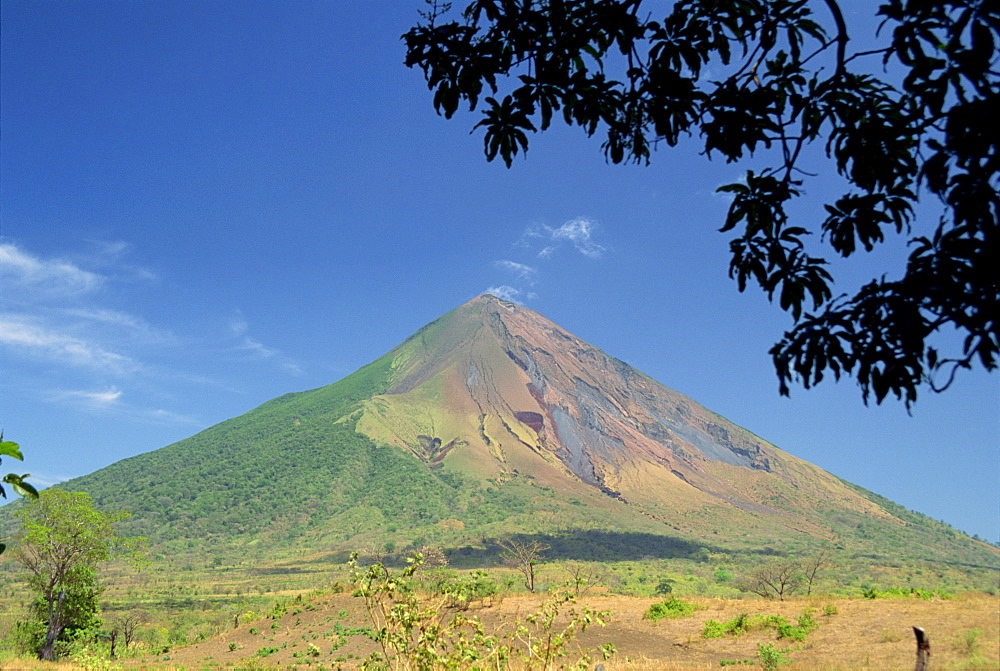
{"x": 862, "y": 634}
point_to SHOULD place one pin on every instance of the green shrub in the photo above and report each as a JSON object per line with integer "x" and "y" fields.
{"x": 713, "y": 629}
{"x": 899, "y": 593}
{"x": 671, "y": 608}
{"x": 771, "y": 657}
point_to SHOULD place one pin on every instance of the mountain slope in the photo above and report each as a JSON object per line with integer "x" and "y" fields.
{"x": 489, "y": 421}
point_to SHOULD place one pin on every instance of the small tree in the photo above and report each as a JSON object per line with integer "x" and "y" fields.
{"x": 62, "y": 541}
{"x": 774, "y": 580}
{"x": 123, "y": 627}
{"x": 812, "y": 566}
{"x": 523, "y": 556}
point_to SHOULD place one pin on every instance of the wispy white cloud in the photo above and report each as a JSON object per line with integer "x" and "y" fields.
{"x": 578, "y": 232}
{"x": 55, "y": 277}
{"x": 506, "y": 292}
{"x": 523, "y": 272}
{"x": 168, "y": 417}
{"x": 96, "y": 399}
{"x": 42, "y": 341}
{"x": 135, "y": 326}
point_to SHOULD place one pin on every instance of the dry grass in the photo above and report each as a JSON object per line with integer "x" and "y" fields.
{"x": 860, "y": 635}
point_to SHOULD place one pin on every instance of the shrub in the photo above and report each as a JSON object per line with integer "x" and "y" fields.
{"x": 415, "y": 634}
{"x": 771, "y": 657}
{"x": 713, "y": 629}
{"x": 671, "y": 608}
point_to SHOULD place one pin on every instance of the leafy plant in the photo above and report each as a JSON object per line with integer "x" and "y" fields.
{"x": 463, "y": 592}
{"x": 413, "y": 632}
{"x": 770, "y": 656}
{"x": 745, "y": 622}
{"x": 671, "y": 608}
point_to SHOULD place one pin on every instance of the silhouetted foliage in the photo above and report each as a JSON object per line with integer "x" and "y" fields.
{"x": 770, "y": 77}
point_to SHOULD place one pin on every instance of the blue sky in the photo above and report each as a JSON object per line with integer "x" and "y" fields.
{"x": 207, "y": 205}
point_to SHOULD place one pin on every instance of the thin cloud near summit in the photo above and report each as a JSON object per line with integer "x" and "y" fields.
{"x": 578, "y": 233}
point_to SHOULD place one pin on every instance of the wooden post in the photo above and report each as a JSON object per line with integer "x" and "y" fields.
{"x": 923, "y": 650}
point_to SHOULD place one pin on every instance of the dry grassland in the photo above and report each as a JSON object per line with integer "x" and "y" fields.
{"x": 862, "y": 634}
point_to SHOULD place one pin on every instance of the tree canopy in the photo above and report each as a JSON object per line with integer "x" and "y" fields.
{"x": 779, "y": 84}
{"x": 62, "y": 541}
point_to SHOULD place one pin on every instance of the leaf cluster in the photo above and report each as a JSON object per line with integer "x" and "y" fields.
{"x": 11, "y": 449}
{"x": 774, "y": 78}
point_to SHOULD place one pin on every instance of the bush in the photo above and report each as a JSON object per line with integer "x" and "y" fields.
{"x": 462, "y": 592}
{"x": 900, "y": 593}
{"x": 713, "y": 629}
{"x": 745, "y": 622}
{"x": 771, "y": 657}
{"x": 671, "y": 608}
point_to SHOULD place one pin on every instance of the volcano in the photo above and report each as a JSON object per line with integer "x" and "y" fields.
{"x": 497, "y": 389}
{"x": 493, "y": 421}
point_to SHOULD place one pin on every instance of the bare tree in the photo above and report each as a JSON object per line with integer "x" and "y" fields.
{"x": 523, "y": 556}
{"x": 583, "y": 576}
{"x": 124, "y": 627}
{"x": 812, "y": 566}
{"x": 774, "y": 580}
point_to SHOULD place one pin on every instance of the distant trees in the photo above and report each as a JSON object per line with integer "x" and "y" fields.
{"x": 774, "y": 580}
{"x": 784, "y": 577}
{"x": 62, "y": 541}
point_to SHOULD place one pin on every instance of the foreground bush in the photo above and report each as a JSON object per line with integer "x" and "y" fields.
{"x": 415, "y": 632}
